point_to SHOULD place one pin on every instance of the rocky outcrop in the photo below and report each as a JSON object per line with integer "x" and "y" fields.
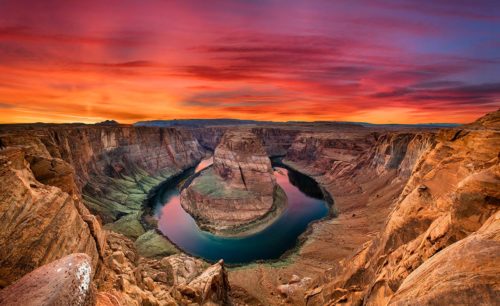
{"x": 465, "y": 273}
{"x": 66, "y": 281}
{"x": 209, "y": 288}
{"x": 237, "y": 190}
{"x": 130, "y": 279}
{"x": 41, "y": 223}
{"x": 453, "y": 189}
{"x": 240, "y": 160}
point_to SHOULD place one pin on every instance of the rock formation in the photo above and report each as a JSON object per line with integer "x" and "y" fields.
{"x": 450, "y": 195}
{"x": 45, "y": 169}
{"x": 130, "y": 279}
{"x": 238, "y": 190}
{"x": 111, "y": 168}
{"x": 275, "y": 139}
{"x": 66, "y": 281}
{"x": 41, "y": 223}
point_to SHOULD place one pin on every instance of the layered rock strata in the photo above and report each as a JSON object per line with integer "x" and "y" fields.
{"x": 45, "y": 169}
{"x": 239, "y": 189}
{"x": 111, "y": 168}
{"x": 40, "y": 223}
{"x": 441, "y": 239}
{"x": 275, "y": 139}
{"x": 43, "y": 172}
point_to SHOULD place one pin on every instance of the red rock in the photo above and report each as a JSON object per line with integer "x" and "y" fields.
{"x": 239, "y": 190}
{"x": 66, "y": 281}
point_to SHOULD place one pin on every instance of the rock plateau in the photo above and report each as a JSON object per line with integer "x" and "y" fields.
{"x": 239, "y": 192}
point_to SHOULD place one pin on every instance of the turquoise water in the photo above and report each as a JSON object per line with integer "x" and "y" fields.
{"x": 305, "y": 204}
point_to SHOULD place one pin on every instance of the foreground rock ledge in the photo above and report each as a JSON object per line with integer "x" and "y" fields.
{"x": 239, "y": 193}
{"x": 66, "y": 281}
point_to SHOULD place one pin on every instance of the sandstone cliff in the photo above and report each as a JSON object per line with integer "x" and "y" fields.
{"x": 112, "y": 168}
{"x": 43, "y": 171}
{"x": 418, "y": 220}
{"x": 238, "y": 189}
{"x": 453, "y": 189}
{"x": 41, "y": 222}
{"x": 275, "y": 139}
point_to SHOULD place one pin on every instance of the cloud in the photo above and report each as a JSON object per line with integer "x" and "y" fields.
{"x": 28, "y": 34}
{"x": 301, "y": 61}
{"x": 480, "y": 95}
{"x": 6, "y": 105}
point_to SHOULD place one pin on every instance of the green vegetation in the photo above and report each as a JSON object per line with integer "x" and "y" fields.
{"x": 119, "y": 202}
{"x": 210, "y": 184}
{"x": 128, "y": 225}
{"x": 152, "y": 244}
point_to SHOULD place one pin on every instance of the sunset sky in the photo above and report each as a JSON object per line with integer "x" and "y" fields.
{"x": 381, "y": 61}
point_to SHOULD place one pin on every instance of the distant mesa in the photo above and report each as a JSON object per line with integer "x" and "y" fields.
{"x": 239, "y": 193}
{"x": 198, "y": 122}
{"x": 108, "y": 122}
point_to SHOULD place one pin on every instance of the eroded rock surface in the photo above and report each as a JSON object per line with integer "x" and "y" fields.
{"x": 41, "y": 223}
{"x": 66, "y": 281}
{"x": 418, "y": 220}
{"x": 238, "y": 189}
{"x": 130, "y": 279}
{"x": 453, "y": 189}
{"x": 467, "y": 272}
{"x": 111, "y": 169}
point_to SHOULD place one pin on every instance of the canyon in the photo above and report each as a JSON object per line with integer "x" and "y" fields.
{"x": 238, "y": 191}
{"x": 414, "y": 220}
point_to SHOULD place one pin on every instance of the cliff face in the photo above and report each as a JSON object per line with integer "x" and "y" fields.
{"x": 45, "y": 169}
{"x": 330, "y": 156}
{"x": 418, "y": 220}
{"x": 240, "y": 160}
{"x": 41, "y": 222}
{"x": 113, "y": 167}
{"x": 43, "y": 219}
{"x": 276, "y": 140}
{"x": 240, "y": 188}
{"x": 108, "y": 150}
{"x": 450, "y": 195}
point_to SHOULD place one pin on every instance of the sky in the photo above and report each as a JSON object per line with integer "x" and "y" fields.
{"x": 379, "y": 61}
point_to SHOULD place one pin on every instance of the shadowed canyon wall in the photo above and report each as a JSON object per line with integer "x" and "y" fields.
{"x": 44, "y": 171}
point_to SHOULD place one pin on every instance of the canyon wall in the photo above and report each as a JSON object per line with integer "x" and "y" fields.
{"x": 45, "y": 170}
{"x": 418, "y": 220}
{"x": 276, "y": 139}
{"x": 44, "y": 219}
{"x": 449, "y": 204}
{"x": 41, "y": 222}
